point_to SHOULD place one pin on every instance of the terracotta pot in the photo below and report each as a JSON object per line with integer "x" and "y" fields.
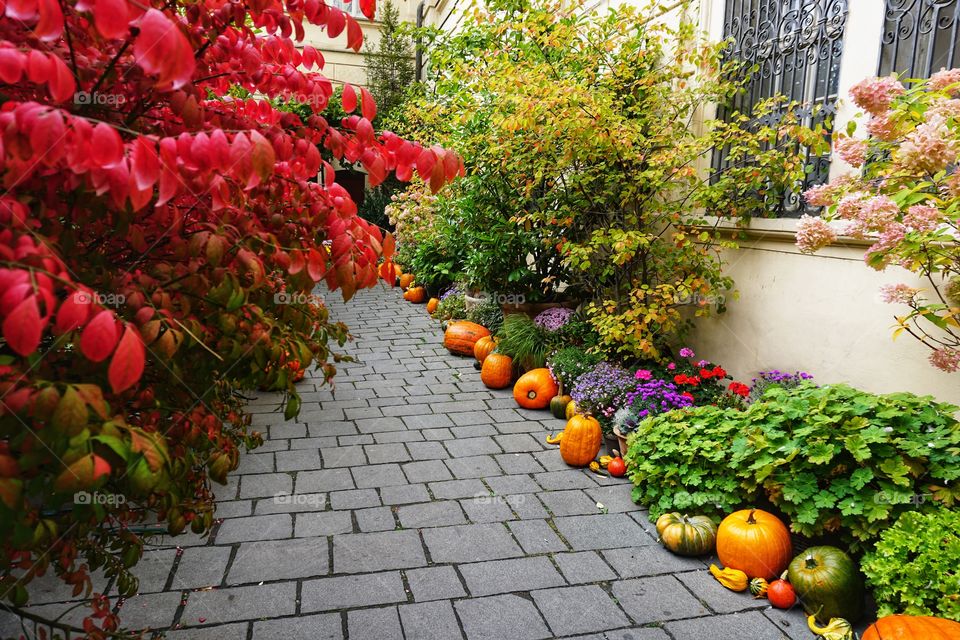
{"x": 621, "y": 441}
{"x": 533, "y": 309}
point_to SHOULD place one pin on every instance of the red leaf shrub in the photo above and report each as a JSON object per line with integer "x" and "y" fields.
{"x": 161, "y": 229}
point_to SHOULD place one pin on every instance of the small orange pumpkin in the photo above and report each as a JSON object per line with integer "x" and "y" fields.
{"x": 461, "y": 335}
{"x": 755, "y": 542}
{"x": 415, "y": 295}
{"x": 432, "y": 305}
{"x": 484, "y": 347}
{"x": 901, "y": 627}
{"x": 535, "y": 389}
{"x": 406, "y": 280}
{"x": 497, "y": 371}
{"x": 580, "y": 442}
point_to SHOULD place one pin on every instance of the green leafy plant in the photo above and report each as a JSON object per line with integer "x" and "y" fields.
{"x": 523, "y": 341}
{"x": 452, "y": 307}
{"x": 390, "y": 70}
{"x": 487, "y": 314}
{"x": 913, "y": 569}
{"x": 569, "y": 363}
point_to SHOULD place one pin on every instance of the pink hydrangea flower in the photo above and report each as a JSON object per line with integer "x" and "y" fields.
{"x": 819, "y": 196}
{"x": 922, "y": 217}
{"x": 882, "y": 127}
{"x": 813, "y": 234}
{"x": 644, "y": 374}
{"x": 945, "y": 109}
{"x": 944, "y": 79}
{"x": 930, "y": 147}
{"x": 686, "y": 352}
{"x": 946, "y": 359}
{"x": 891, "y": 236}
{"x": 873, "y": 215}
{"x": 875, "y": 94}
{"x": 898, "y": 293}
{"x": 851, "y": 151}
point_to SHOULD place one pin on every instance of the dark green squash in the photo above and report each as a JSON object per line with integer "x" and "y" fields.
{"x": 558, "y": 406}
{"x": 828, "y": 583}
{"x": 687, "y": 535}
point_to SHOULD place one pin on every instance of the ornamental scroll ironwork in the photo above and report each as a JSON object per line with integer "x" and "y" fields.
{"x": 919, "y": 37}
{"x": 791, "y": 48}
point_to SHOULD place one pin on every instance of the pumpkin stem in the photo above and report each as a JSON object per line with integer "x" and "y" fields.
{"x": 750, "y": 518}
{"x": 532, "y": 394}
{"x": 811, "y": 562}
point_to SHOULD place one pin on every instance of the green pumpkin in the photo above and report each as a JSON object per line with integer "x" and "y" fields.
{"x": 828, "y": 583}
{"x": 687, "y": 535}
{"x": 558, "y": 406}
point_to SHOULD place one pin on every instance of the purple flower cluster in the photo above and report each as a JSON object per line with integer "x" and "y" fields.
{"x": 603, "y": 389}
{"x": 766, "y": 379}
{"x": 554, "y": 318}
{"x": 656, "y": 396}
{"x": 452, "y": 291}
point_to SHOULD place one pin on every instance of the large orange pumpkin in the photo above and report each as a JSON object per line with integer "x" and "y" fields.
{"x": 432, "y": 305}
{"x": 406, "y": 280}
{"x": 461, "y": 335}
{"x": 484, "y": 347}
{"x": 755, "y": 542}
{"x": 415, "y": 294}
{"x": 497, "y": 371}
{"x": 535, "y": 389}
{"x": 912, "y": 628}
{"x": 580, "y": 441}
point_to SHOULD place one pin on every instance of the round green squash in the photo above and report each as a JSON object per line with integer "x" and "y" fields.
{"x": 558, "y": 406}
{"x": 828, "y": 583}
{"x": 687, "y": 535}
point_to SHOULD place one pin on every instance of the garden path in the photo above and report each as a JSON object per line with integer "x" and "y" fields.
{"x": 416, "y": 503}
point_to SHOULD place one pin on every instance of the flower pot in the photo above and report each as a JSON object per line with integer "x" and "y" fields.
{"x": 470, "y": 301}
{"x": 533, "y": 309}
{"x": 611, "y": 443}
{"x": 621, "y": 441}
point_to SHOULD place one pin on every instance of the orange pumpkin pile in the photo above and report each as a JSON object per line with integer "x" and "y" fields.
{"x": 415, "y": 294}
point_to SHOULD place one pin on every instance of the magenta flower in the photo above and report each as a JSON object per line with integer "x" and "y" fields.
{"x": 687, "y": 352}
{"x": 644, "y": 374}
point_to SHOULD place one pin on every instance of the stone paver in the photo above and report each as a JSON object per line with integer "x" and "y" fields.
{"x": 412, "y": 502}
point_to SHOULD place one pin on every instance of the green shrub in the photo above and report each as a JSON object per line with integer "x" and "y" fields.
{"x": 453, "y": 307}
{"x": 915, "y": 567}
{"x": 569, "y": 363}
{"x": 833, "y": 459}
{"x": 523, "y": 341}
{"x": 487, "y": 314}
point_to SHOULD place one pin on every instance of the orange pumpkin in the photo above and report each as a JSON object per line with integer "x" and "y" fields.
{"x": 397, "y": 271}
{"x": 461, "y": 335}
{"x": 432, "y": 305}
{"x": 406, "y": 280}
{"x": 580, "y": 441}
{"x": 483, "y": 348}
{"x": 899, "y": 627}
{"x": 535, "y": 389}
{"x": 755, "y": 542}
{"x": 497, "y": 371}
{"x": 415, "y": 295}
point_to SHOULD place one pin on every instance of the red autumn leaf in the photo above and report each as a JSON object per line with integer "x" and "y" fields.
{"x": 111, "y": 18}
{"x": 11, "y": 65}
{"x": 368, "y": 106}
{"x": 106, "y": 146}
{"x": 161, "y": 49}
{"x": 23, "y": 328}
{"x": 425, "y": 164}
{"x": 368, "y": 8}
{"x": 127, "y": 364}
{"x": 61, "y": 83}
{"x": 354, "y": 34}
{"x": 50, "y": 25}
{"x": 145, "y": 163}
{"x": 263, "y": 156}
{"x": 389, "y": 246}
{"x": 336, "y": 21}
{"x": 99, "y": 337}
{"x": 73, "y": 312}
{"x": 316, "y": 265}
{"x": 349, "y": 98}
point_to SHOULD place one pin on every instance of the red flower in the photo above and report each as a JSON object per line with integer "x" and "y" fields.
{"x": 706, "y": 374}
{"x": 740, "y": 389}
{"x": 687, "y": 394}
{"x": 719, "y": 372}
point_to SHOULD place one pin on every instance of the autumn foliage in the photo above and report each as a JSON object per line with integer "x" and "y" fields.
{"x": 160, "y": 238}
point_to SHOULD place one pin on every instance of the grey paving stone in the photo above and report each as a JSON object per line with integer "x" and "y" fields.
{"x": 603, "y": 531}
{"x": 430, "y": 450}
{"x": 615, "y": 498}
{"x": 355, "y": 413}
{"x": 470, "y": 543}
{"x": 536, "y": 536}
{"x": 321, "y": 626}
{"x": 288, "y": 430}
{"x": 279, "y": 560}
{"x": 504, "y": 576}
{"x": 466, "y": 418}
{"x": 571, "y": 502}
{"x": 434, "y": 583}
{"x": 751, "y": 625}
{"x": 346, "y": 441}
{"x": 503, "y": 415}
{"x": 635, "y": 633}
{"x": 378, "y": 475}
{"x": 518, "y": 463}
{"x": 429, "y": 621}
{"x": 322, "y": 523}
{"x": 354, "y": 499}
{"x": 427, "y": 421}
{"x": 526, "y": 506}
{"x": 473, "y": 431}
{"x": 518, "y": 443}
{"x": 657, "y": 599}
{"x": 262, "y": 485}
{"x": 327, "y": 429}
{"x": 234, "y": 509}
{"x": 565, "y": 479}
{"x": 473, "y": 467}
{"x": 348, "y": 456}
{"x": 271, "y": 527}
{"x": 375, "y": 519}
{"x": 291, "y": 503}
{"x": 242, "y": 603}
{"x": 392, "y": 437}
{"x": 426, "y": 471}
{"x": 436, "y": 434}
{"x": 324, "y": 480}
{"x": 583, "y": 566}
{"x": 793, "y": 622}
{"x": 430, "y": 514}
{"x": 501, "y": 617}
{"x": 406, "y": 410}
{"x": 200, "y": 567}
{"x": 298, "y": 460}
{"x": 718, "y": 598}
{"x": 487, "y": 509}
{"x": 404, "y": 494}
{"x": 374, "y": 624}
{"x": 551, "y": 461}
{"x": 233, "y": 631}
{"x": 344, "y": 592}
{"x": 457, "y": 489}
{"x": 381, "y": 453}
{"x": 255, "y": 463}
{"x": 650, "y": 560}
{"x": 579, "y": 610}
{"x": 154, "y": 569}
{"x": 366, "y": 552}
{"x": 472, "y": 447}
{"x": 320, "y": 443}
{"x": 504, "y": 485}
{"x": 376, "y": 425}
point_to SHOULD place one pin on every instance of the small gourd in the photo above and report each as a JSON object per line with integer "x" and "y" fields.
{"x": 687, "y": 535}
{"x": 732, "y": 579}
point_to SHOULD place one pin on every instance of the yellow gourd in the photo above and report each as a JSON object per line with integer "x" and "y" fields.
{"x": 732, "y": 579}
{"x": 837, "y": 629}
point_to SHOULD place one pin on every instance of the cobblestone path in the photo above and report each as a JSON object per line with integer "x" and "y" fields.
{"x": 415, "y": 503}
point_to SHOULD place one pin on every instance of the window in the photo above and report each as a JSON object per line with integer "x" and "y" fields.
{"x": 350, "y": 6}
{"x": 796, "y": 46}
{"x": 919, "y": 37}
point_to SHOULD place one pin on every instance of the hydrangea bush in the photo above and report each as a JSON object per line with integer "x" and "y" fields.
{"x": 905, "y": 198}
